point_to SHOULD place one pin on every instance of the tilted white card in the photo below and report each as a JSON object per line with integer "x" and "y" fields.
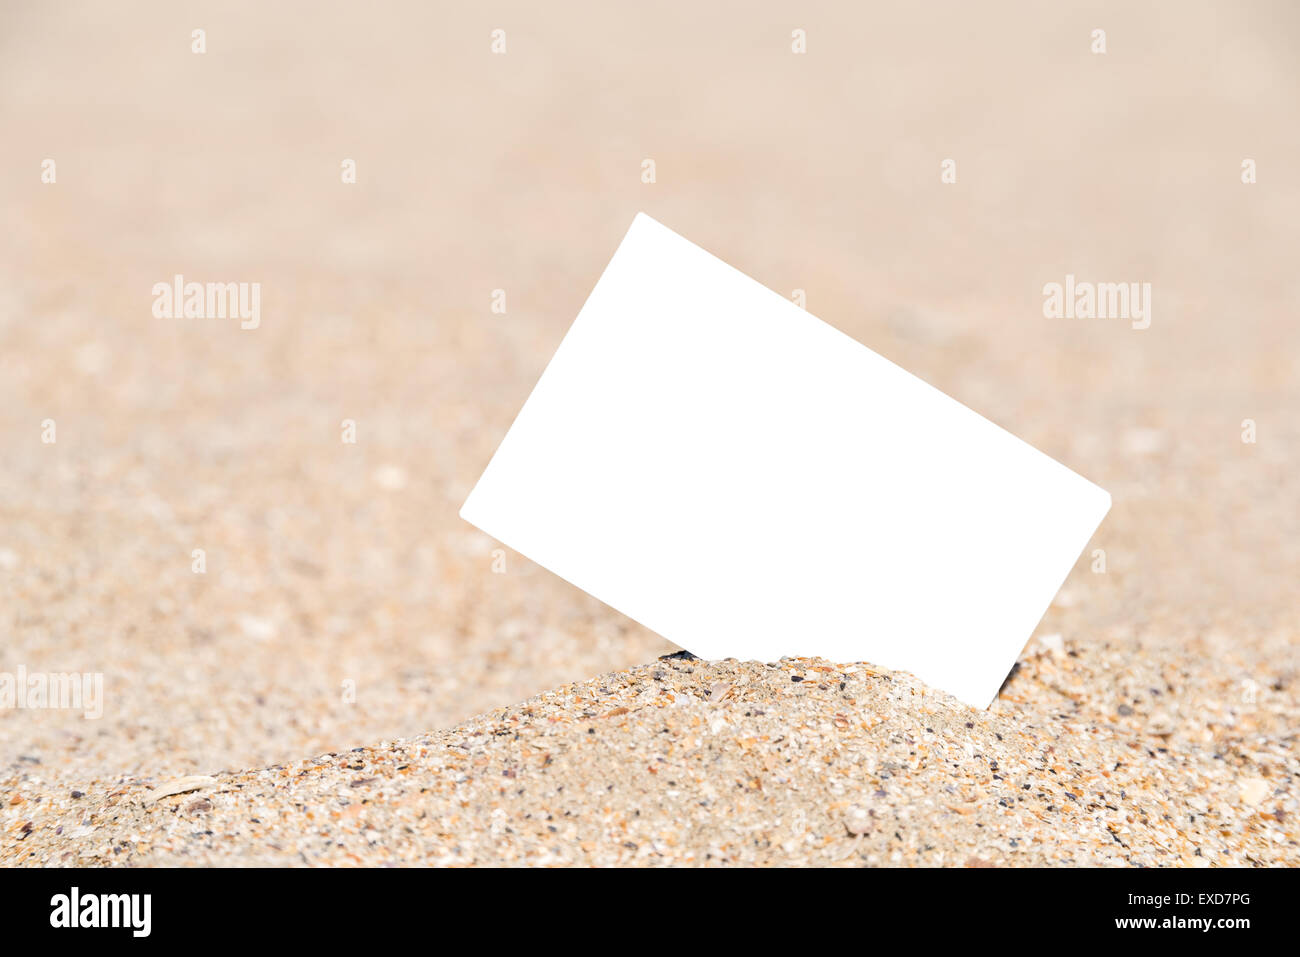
{"x": 749, "y": 482}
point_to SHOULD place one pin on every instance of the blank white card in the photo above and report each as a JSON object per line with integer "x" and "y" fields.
{"x": 740, "y": 477}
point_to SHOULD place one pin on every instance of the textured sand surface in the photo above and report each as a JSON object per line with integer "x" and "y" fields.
{"x": 798, "y": 763}
{"x": 344, "y": 603}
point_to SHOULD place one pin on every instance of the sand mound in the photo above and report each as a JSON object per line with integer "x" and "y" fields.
{"x": 691, "y": 762}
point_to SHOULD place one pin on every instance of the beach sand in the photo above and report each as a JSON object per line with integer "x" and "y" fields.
{"x": 693, "y": 763}
{"x": 343, "y": 605}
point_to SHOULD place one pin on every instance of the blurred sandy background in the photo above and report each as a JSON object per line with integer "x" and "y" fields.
{"x": 329, "y": 562}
